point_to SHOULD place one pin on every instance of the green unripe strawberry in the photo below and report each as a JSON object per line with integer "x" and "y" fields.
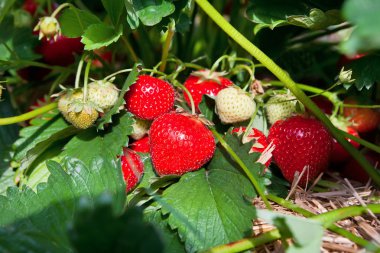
{"x": 84, "y": 118}
{"x": 234, "y": 105}
{"x": 103, "y": 93}
{"x": 65, "y": 100}
{"x": 140, "y": 128}
{"x": 280, "y": 107}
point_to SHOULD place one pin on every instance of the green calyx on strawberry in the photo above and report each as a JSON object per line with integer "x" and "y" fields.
{"x": 103, "y": 93}
{"x": 339, "y": 154}
{"x": 81, "y": 114}
{"x": 179, "y": 143}
{"x": 140, "y": 128}
{"x": 132, "y": 168}
{"x": 204, "y": 82}
{"x": 260, "y": 144}
{"x": 48, "y": 27}
{"x": 149, "y": 97}
{"x": 280, "y": 107}
{"x": 301, "y": 145}
{"x": 234, "y": 105}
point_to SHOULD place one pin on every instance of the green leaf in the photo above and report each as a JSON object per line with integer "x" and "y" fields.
{"x": 306, "y": 234}
{"x": 100, "y": 35}
{"x": 211, "y": 207}
{"x": 366, "y": 35}
{"x": 107, "y": 118}
{"x": 5, "y": 6}
{"x": 208, "y": 208}
{"x": 317, "y": 19}
{"x": 172, "y": 242}
{"x": 132, "y": 18}
{"x": 366, "y": 71}
{"x": 74, "y": 21}
{"x": 36, "y": 221}
{"x": 41, "y": 129}
{"x": 114, "y": 9}
{"x": 101, "y": 230}
{"x": 90, "y": 143}
{"x": 151, "y": 12}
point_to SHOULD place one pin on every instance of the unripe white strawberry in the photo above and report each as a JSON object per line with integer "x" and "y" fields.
{"x": 103, "y": 93}
{"x": 77, "y": 112}
{"x": 140, "y": 128}
{"x": 280, "y": 106}
{"x": 234, "y": 105}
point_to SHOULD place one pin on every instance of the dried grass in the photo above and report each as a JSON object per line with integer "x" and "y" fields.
{"x": 343, "y": 193}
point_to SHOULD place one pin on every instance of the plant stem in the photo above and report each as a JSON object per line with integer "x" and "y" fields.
{"x": 130, "y": 49}
{"x": 79, "y": 71}
{"x": 361, "y": 106}
{"x": 61, "y": 78}
{"x": 61, "y": 7}
{"x": 116, "y": 73}
{"x": 182, "y": 87}
{"x": 361, "y": 141}
{"x": 28, "y": 115}
{"x": 85, "y": 85}
{"x": 245, "y": 244}
{"x": 244, "y": 168}
{"x": 166, "y": 47}
{"x": 288, "y": 82}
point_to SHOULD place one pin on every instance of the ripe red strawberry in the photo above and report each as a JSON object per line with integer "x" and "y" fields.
{"x": 132, "y": 168}
{"x": 60, "y": 52}
{"x": 105, "y": 55}
{"x": 339, "y": 154}
{"x": 179, "y": 143}
{"x": 204, "y": 83}
{"x": 149, "y": 97}
{"x": 363, "y": 119}
{"x": 353, "y": 169}
{"x": 300, "y": 142}
{"x": 324, "y": 104}
{"x": 141, "y": 145}
{"x": 260, "y": 143}
{"x": 30, "y": 6}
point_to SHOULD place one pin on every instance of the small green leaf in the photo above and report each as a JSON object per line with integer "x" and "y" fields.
{"x": 365, "y": 71}
{"x": 112, "y": 140}
{"x": 317, "y": 19}
{"x": 306, "y": 234}
{"x": 5, "y": 6}
{"x": 100, "y": 35}
{"x": 114, "y": 9}
{"x": 132, "y": 17}
{"x": 74, "y": 21}
{"x": 365, "y": 16}
{"x": 151, "y": 12}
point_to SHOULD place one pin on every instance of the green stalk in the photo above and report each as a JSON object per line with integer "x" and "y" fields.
{"x": 244, "y": 168}
{"x": 288, "y": 82}
{"x": 166, "y": 46}
{"x": 28, "y": 115}
{"x": 61, "y": 7}
{"x": 85, "y": 85}
{"x": 245, "y": 244}
{"x": 79, "y": 71}
{"x": 130, "y": 49}
{"x": 365, "y": 143}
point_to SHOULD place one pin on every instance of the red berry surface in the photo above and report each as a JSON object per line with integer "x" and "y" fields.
{"x": 132, "y": 168}
{"x": 363, "y": 119}
{"x": 354, "y": 170}
{"x": 141, "y": 145}
{"x": 301, "y": 142}
{"x": 179, "y": 144}
{"x": 324, "y": 104}
{"x": 149, "y": 97}
{"x": 30, "y": 6}
{"x": 339, "y": 154}
{"x": 60, "y": 52}
{"x": 199, "y": 87}
{"x": 260, "y": 142}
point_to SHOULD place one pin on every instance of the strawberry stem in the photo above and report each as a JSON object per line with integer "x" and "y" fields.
{"x": 117, "y": 73}
{"x": 361, "y": 106}
{"x": 250, "y": 176}
{"x": 28, "y": 115}
{"x": 79, "y": 71}
{"x": 85, "y": 85}
{"x": 365, "y": 143}
{"x": 61, "y": 7}
{"x": 130, "y": 49}
{"x": 178, "y": 84}
{"x": 166, "y": 46}
{"x": 284, "y": 77}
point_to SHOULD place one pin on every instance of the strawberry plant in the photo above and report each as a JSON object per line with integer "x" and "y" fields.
{"x": 189, "y": 126}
